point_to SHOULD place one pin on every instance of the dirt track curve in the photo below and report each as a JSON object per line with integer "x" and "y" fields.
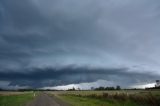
{"x": 44, "y": 99}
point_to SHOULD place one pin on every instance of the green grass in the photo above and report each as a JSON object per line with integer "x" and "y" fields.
{"x": 86, "y": 101}
{"x": 154, "y": 92}
{"x": 111, "y": 98}
{"x": 15, "y": 100}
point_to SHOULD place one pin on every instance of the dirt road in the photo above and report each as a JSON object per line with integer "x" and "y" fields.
{"x": 44, "y": 99}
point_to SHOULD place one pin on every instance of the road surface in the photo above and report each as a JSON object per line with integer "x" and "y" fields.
{"x": 44, "y": 99}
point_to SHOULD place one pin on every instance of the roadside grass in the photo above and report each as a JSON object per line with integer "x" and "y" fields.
{"x": 141, "y": 92}
{"x": 143, "y": 98}
{"x": 87, "y": 101}
{"x": 15, "y": 100}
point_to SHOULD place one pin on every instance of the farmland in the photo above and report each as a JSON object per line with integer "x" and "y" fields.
{"x": 15, "y": 98}
{"x": 111, "y": 98}
{"x": 82, "y": 98}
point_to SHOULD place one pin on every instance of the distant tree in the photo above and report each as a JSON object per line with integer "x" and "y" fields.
{"x": 73, "y": 89}
{"x": 118, "y": 87}
{"x": 78, "y": 89}
{"x": 92, "y": 88}
{"x": 100, "y": 88}
{"x": 109, "y": 88}
{"x": 105, "y": 88}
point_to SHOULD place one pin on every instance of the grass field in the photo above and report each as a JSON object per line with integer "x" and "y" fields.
{"x": 89, "y": 98}
{"x": 111, "y": 98}
{"x": 86, "y": 101}
{"x": 15, "y": 99}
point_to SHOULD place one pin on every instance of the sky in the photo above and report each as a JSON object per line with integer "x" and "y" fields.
{"x": 84, "y": 43}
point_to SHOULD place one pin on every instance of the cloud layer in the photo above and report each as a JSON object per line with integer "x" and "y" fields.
{"x": 52, "y": 42}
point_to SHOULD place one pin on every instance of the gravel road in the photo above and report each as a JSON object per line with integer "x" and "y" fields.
{"x": 44, "y": 99}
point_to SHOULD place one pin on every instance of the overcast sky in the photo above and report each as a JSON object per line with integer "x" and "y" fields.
{"x": 48, "y": 43}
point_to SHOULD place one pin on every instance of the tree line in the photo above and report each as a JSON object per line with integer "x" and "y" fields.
{"x": 108, "y": 88}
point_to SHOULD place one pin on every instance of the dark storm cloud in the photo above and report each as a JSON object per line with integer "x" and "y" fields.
{"x": 37, "y": 77}
{"x": 37, "y": 73}
{"x": 20, "y": 14}
{"x": 27, "y": 33}
{"x": 106, "y": 34}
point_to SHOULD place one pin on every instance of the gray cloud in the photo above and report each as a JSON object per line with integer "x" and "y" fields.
{"x": 37, "y": 77}
{"x": 106, "y": 34}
